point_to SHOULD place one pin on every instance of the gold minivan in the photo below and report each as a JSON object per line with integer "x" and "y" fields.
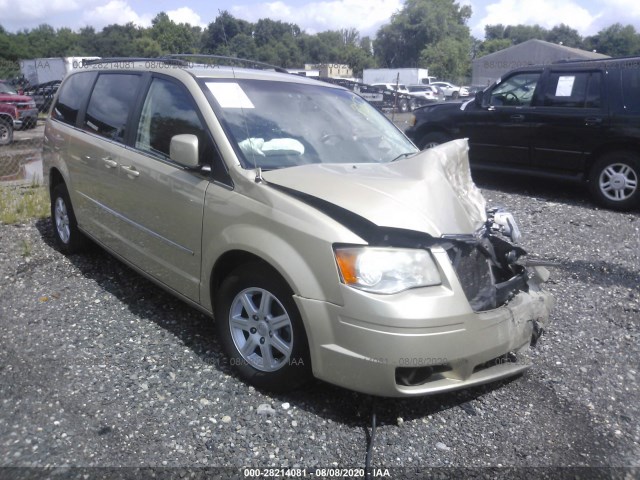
{"x": 320, "y": 239}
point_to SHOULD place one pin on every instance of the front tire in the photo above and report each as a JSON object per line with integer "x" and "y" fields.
{"x": 65, "y": 227}
{"x": 6, "y": 132}
{"x": 260, "y": 329}
{"x": 613, "y": 180}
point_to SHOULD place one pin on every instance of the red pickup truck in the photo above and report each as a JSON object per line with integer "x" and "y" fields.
{"x": 16, "y": 112}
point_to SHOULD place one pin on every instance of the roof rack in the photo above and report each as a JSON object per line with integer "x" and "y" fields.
{"x": 603, "y": 59}
{"x": 179, "y": 60}
{"x": 171, "y": 61}
{"x": 229, "y": 61}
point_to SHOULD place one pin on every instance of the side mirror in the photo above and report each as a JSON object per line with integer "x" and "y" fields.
{"x": 479, "y": 97}
{"x": 184, "y": 150}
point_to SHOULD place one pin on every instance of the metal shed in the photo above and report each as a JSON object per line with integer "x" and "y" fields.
{"x": 489, "y": 68}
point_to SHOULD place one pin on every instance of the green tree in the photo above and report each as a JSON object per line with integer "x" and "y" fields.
{"x": 222, "y": 30}
{"x": 616, "y": 40}
{"x": 172, "y": 37}
{"x": 118, "y": 40}
{"x": 522, "y": 33}
{"x": 565, "y": 35}
{"x": 420, "y": 25}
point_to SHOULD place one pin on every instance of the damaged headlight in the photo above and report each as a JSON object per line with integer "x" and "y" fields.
{"x": 386, "y": 270}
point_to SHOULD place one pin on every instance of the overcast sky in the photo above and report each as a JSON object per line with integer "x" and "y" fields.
{"x": 586, "y": 16}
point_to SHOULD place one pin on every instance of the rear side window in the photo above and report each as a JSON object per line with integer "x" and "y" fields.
{"x": 573, "y": 90}
{"x": 631, "y": 88}
{"x": 72, "y": 95}
{"x": 110, "y": 103}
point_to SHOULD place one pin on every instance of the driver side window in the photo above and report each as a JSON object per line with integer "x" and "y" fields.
{"x": 516, "y": 91}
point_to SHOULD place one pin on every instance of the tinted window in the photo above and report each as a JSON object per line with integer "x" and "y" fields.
{"x": 573, "y": 89}
{"x": 169, "y": 110}
{"x": 72, "y": 96}
{"x": 111, "y": 100}
{"x": 515, "y": 91}
{"x": 631, "y": 88}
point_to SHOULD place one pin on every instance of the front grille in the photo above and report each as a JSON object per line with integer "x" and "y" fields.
{"x": 475, "y": 277}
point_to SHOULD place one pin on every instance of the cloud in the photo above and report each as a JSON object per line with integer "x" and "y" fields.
{"x": 16, "y": 15}
{"x": 626, "y": 12}
{"x": 364, "y": 15}
{"x": 115, "y": 11}
{"x": 546, "y": 13}
{"x": 186, "y": 15}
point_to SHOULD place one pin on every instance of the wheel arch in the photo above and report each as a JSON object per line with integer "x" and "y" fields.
{"x": 233, "y": 259}
{"x": 625, "y": 146}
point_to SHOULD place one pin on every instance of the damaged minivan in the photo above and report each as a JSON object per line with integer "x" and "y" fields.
{"x": 321, "y": 240}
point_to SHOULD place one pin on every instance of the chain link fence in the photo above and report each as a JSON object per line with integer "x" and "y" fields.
{"x": 21, "y": 141}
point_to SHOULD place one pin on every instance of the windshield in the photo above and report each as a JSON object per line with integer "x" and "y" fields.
{"x": 281, "y": 124}
{"x": 4, "y": 88}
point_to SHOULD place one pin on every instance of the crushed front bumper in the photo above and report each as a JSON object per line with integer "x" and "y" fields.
{"x": 423, "y": 341}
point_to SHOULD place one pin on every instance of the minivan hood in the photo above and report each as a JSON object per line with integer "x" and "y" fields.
{"x": 431, "y": 192}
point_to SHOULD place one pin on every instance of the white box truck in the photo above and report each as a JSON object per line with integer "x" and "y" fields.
{"x": 407, "y": 76}
{"x": 42, "y": 70}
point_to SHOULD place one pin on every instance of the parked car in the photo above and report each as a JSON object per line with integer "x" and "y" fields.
{"x": 379, "y": 96}
{"x": 43, "y": 94}
{"x": 392, "y": 86}
{"x": 578, "y": 121}
{"x": 16, "y": 112}
{"x": 474, "y": 89}
{"x": 431, "y": 93}
{"x": 451, "y": 90}
{"x": 319, "y": 237}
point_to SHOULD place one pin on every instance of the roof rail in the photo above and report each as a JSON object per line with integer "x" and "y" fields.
{"x": 603, "y": 59}
{"x": 171, "y": 61}
{"x": 228, "y": 61}
{"x": 185, "y": 59}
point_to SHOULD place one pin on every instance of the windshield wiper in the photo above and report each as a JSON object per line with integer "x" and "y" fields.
{"x": 404, "y": 155}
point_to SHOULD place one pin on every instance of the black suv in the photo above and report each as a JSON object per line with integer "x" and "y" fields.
{"x": 574, "y": 120}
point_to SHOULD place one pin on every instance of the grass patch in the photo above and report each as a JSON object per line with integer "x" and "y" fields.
{"x": 19, "y": 204}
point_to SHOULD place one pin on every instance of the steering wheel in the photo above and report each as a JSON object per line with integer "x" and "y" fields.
{"x": 510, "y": 98}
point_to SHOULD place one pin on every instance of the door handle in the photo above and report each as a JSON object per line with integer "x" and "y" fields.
{"x": 109, "y": 163}
{"x": 131, "y": 171}
{"x": 517, "y": 118}
{"x": 592, "y": 121}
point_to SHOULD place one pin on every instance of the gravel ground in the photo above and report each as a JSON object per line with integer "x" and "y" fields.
{"x": 101, "y": 368}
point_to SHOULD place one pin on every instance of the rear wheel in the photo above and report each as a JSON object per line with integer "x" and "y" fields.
{"x": 6, "y": 132}
{"x": 433, "y": 139}
{"x": 65, "y": 228}
{"x": 613, "y": 180}
{"x": 260, "y": 329}
{"x": 403, "y": 105}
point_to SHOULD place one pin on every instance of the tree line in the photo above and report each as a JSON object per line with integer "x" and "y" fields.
{"x": 429, "y": 34}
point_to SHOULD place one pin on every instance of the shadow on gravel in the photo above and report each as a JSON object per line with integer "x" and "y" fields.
{"x": 195, "y": 331}
{"x": 543, "y": 188}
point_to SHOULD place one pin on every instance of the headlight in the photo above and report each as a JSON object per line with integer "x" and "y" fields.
{"x": 386, "y": 270}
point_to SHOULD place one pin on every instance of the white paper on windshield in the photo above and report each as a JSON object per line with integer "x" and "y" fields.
{"x": 565, "y": 86}
{"x": 230, "y": 95}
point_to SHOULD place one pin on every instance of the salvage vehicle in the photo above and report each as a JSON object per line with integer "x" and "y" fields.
{"x": 321, "y": 240}
{"x": 16, "y": 112}
{"x": 574, "y": 120}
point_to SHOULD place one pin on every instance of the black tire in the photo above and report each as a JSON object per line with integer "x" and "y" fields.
{"x": 266, "y": 365}
{"x": 413, "y": 104}
{"x": 432, "y": 139}
{"x": 65, "y": 227}
{"x": 455, "y": 95}
{"x": 614, "y": 180}
{"x": 6, "y": 132}
{"x": 403, "y": 106}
